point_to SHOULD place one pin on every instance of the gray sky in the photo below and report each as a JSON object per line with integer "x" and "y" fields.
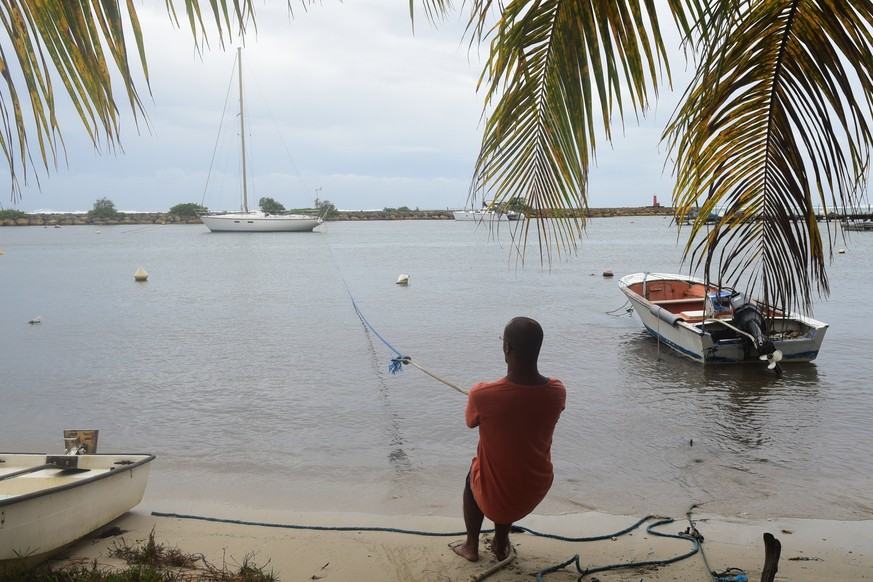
{"x": 368, "y": 111}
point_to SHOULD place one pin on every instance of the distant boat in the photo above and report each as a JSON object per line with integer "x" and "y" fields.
{"x": 246, "y": 220}
{"x": 47, "y": 502}
{"x": 858, "y": 225}
{"x": 717, "y": 325}
{"x": 713, "y": 217}
{"x": 488, "y": 213}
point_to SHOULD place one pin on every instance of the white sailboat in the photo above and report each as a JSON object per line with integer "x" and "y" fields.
{"x": 246, "y": 220}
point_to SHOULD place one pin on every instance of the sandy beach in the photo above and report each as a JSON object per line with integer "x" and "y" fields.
{"x": 812, "y": 550}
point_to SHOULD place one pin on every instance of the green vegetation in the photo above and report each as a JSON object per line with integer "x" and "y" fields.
{"x": 149, "y": 562}
{"x": 270, "y": 206}
{"x": 325, "y": 208}
{"x": 104, "y": 208}
{"x": 12, "y": 214}
{"x": 188, "y": 209}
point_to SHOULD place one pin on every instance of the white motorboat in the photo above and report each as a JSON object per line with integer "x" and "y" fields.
{"x": 719, "y": 325}
{"x": 863, "y": 225}
{"x": 47, "y": 502}
{"x": 487, "y": 215}
{"x": 245, "y": 220}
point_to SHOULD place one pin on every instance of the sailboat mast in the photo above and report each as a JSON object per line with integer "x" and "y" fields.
{"x": 242, "y": 132}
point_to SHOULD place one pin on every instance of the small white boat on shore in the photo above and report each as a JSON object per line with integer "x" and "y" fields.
{"x": 719, "y": 325}
{"x": 47, "y": 502}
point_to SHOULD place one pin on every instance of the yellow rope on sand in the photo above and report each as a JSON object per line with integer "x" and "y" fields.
{"x": 408, "y": 360}
{"x": 496, "y": 567}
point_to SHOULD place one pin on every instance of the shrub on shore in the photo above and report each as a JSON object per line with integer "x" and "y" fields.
{"x": 148, "y": 562}
{"x": 104, "y": 208}
{"x": 12, "y": 214}
{"x": 188, "y": 210}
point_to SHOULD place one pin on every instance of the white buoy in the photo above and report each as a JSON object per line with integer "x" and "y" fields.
{"x": 140, "y": 275}
{"x": 403, "y": 280}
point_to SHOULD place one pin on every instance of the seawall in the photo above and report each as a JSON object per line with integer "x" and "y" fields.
{"x": 77, "y": 219}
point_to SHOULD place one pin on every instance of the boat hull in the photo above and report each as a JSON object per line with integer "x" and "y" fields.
{"x": 43, "y": 511}
{"x": 486, "y": 215}
{"x": 239, "y": 222}
{"x": 681, "y": 323}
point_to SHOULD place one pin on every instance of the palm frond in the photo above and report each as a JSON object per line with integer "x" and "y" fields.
{"x": 557, "y": 69}
{"x": 68, "y": 40}
{"x": 769, "y": 129}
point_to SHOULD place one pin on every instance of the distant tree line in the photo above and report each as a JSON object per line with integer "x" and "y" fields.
{"x": 104, "y": 209}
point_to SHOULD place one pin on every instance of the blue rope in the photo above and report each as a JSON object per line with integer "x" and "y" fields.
{"x": 396, "y": 364}
{"x": 585, "y": 571}
{"x": 515, "y": 528}
{"x": 315, "y": 527}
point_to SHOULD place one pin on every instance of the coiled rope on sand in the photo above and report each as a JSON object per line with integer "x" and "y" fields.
{"x": 503, "y": 563}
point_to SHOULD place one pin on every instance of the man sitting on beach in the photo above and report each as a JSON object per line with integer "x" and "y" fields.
{"x": 516, "y": 415}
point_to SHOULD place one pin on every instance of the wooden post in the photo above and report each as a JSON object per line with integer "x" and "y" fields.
{"x": 772, "y": 551}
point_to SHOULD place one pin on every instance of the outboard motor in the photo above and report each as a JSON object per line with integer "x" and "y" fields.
{"x": 749, "y": 318}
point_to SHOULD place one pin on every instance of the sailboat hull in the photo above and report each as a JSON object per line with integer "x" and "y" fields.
{"x": 257, "y": 222}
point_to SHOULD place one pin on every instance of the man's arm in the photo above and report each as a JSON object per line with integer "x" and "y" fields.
{"x": 471, "y": 414}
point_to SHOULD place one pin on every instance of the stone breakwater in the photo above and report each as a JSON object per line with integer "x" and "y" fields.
{"x": 131, "y": 218}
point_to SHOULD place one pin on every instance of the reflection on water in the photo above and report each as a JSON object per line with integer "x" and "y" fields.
{"x": 734, "y": 435}
{"x": 244, "y": 366}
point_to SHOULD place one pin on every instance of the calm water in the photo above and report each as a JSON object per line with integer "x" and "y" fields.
{"x": 244, "y": 367}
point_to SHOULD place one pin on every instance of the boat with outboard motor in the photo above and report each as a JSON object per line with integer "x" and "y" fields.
{"x": 47, "y": 502}
{"x": 716, "y": 325}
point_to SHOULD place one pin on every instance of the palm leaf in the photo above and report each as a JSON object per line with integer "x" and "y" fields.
{"x": 65, "y": 40}
{"x": 559, "y": 71}
{"x": 769, "y": 129}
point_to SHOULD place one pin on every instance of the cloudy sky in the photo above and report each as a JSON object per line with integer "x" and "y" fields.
{"x": 344, "y": 101}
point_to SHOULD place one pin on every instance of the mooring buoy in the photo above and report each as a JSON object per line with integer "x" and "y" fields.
{"x": 140, "y": 275}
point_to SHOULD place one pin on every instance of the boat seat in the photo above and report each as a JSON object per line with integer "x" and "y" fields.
{"x": 692, "y": 316}
{"x": 696, "y": 316}
{"x": 689, "y": 300}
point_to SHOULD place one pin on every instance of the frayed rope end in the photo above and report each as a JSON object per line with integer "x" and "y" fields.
{"x": 396, "y": 364}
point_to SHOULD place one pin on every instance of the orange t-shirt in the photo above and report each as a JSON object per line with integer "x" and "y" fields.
{"x": 512, "y": 470}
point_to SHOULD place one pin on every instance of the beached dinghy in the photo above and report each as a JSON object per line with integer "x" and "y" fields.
{"x": 719, "y": 325}
{"x": 49, "y": 501}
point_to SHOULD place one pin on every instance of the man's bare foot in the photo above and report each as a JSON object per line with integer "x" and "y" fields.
{"x": 466, "y": 551}
{"x": 501, "y": 553}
